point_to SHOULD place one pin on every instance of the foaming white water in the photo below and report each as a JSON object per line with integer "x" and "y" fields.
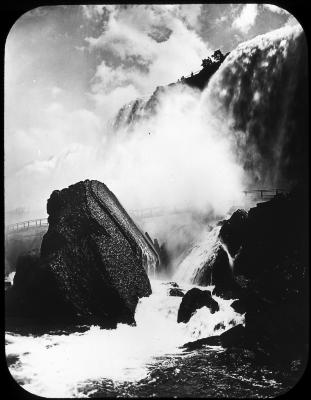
{"x": 201, "y": 253}
{"x": 10, "y": 277}
{"x": 62, "y": 365}
{"x": 230, "y": 258}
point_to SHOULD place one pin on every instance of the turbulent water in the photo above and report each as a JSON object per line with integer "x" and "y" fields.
{"x": 65, "y": 364}
{"x": 146, "y": 360}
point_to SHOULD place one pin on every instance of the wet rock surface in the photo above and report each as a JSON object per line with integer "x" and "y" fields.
{"x": 92, "y": 265}
{"x": 269, "y": 277}
{"x": 176, "y": 292}
{"x": 192, "y": 301}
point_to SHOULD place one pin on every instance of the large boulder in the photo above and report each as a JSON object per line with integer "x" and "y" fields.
{"x": 192, "y": 301}
{"x": 93, "y": 264}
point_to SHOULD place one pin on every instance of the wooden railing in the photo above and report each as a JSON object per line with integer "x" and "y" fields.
{"x": 265, "y": 194}
{"x": 33, "y": 223}
{"x": 256, "y": 194}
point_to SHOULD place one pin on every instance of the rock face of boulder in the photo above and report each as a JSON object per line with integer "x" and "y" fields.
{"x": 192, "y": 301}
{"x": 93, "y": 263}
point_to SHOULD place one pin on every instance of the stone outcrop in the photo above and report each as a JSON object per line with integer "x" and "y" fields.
{"x": 230, "y": 338}
{"x": 176, "y": 292}
{"x": 93, "y": 263}
{"x": 269, "y": 276}
{"x": 192, "y": 301}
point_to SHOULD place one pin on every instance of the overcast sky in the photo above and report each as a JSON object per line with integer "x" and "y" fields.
{"x": 68, "y": 69}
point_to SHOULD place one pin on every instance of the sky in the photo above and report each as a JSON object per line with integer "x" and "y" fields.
{"x": 69, "y": 69}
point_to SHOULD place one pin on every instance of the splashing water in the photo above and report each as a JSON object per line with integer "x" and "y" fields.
{"x": 62, "y": 365}
{"x": 10, "y": 277}
{"x": 201, "y": 253}
{"x": 230, "y": 258}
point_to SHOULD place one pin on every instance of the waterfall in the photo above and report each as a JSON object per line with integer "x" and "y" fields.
{"x": 202, "y": 252}
{"x": 254, "y": 93}
{"x": 230, "y": 258}
{"x": 251, "y": 101}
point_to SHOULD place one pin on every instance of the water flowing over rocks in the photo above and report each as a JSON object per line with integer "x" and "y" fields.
{"x": 269, "y": 275}
{"x": 93, "y": 263}
{"x": 192, "y": 301}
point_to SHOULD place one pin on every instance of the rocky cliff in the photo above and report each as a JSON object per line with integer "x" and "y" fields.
{"x": 269, "y": 276}
{"x": 93, "y": 263}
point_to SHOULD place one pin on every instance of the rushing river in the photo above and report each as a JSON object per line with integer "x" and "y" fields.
{"x": 144, "y": 360}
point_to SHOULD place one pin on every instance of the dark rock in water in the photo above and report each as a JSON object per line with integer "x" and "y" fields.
{"x": 197, "y": 344}
{"x": 225, "y": 292}
{"x": 233, "y": 231}
{"x": 93, "y": 261}
{"x": 239, "y": 306}
{"x": 173, "y": 284}
{"x": 232, "y": 337}
{"x": 176, "y": 292}
{"x": 193, "y": 300}
{"x": 219, "y": 326}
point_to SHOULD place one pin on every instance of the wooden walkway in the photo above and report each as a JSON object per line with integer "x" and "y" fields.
{"x": 152, "y": 212}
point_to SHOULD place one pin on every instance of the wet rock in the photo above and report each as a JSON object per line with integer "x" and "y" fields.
{"x": 197, "y": 344}
{"x": 93, "y": 261}
{"x": 270, "y": 270}
{"x": 233, "y": 231}
{"x": 176, "y": 292}
{"x": 219, "y": 326}
{"x": 173, "y": 284}
{"x": 233, "y": 337}
{"x": 239, "y": 306}
{"x": 192, "y": 301}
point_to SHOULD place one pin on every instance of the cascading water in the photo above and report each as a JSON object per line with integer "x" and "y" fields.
{"x": 200, "y": 254}
{"x": 61, "y": 365}
{"x": 254, "y": 93}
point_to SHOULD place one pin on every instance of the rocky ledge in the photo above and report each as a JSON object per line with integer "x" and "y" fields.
{"x": 269, "y": 276}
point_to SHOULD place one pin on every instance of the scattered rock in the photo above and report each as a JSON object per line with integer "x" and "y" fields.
{"x": 193, "y": 300}
{"x": 176, "y": 292}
